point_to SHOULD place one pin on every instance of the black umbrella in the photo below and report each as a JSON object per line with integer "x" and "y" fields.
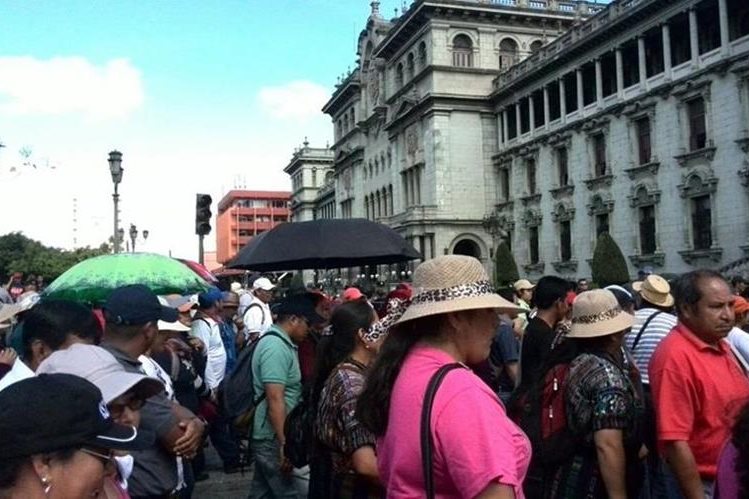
{"x": 324, "y": 244}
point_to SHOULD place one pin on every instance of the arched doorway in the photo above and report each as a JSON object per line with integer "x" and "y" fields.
{"x": 468, "y": 248}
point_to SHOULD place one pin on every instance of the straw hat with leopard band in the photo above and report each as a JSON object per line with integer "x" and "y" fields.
{"x": 452, "y": 283}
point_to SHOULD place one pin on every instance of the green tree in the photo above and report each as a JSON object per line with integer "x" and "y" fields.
{"x": 609, "y": 266}
{"x": 505, "y": 268}
{"x": 19, "y": 253}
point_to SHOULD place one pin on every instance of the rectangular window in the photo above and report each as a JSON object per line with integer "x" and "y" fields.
{"x": 512, "y": 124}
{"x": 608, "y": 74}
{"x": 589, "y": 83}
{"x": 643, "y": 140}
{"x": 563, "y": 167}
{"x": 738, "y": 18}
{"x": 565, "y": 241}
{"x": 570, "y": 92}
{"x": 533, "y": 244}
{"x": 702, "y": 237}
{"x": 525, "y": 120}
{"x": 708, "y": 26}
{"x": 697, "y": 128}
{"x": 555, "y": 110}
{"x": 504, "y": 183}
{"x": 602, "y": 224}
{"x": 530, "y": 170}
{"x": 647, "y": 230}
{"x": 599, "y": 155}
{"x": 681, "y": 50}
{"x": 654, "y": 52}
{"x": 538, "y": 108}
{"x": 630, "y": 63}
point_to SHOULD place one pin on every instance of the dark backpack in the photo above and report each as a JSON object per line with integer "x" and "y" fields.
{"x": 238, "y": 397}
{"x": 540, "y": 412}
{"x": 299, "y": 433}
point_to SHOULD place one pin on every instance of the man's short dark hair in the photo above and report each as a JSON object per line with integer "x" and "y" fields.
{"x": 548, "y": 291}
{"x": 51, "y": 321}
{"x": 686, "y": 288}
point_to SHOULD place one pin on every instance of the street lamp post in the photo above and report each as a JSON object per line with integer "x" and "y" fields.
{"x": 134, "y": 236}
{"x": 115, "y": 169}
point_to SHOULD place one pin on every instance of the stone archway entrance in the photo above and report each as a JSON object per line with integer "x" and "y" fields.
{"x": 467, "y": 247}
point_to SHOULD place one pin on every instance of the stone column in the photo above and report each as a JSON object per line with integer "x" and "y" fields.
{"x": 725, "y": 44}
{"x": 579, "y": 81}
{"x": 599, "y": 83}
{"x": 619, "y": 72}
{"x": 531, "y": 113}
{"x": 666, "y": 31}
{"x": 518, "y": 128}
{"x": 562, "y": 101}
{"x": 694, "y": 45}
{"x": 641, "y": 61}
{"x": 547, "y": 112}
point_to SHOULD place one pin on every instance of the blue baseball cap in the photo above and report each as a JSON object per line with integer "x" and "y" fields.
{"x": 209, "y": 298}
{"x": 135, "y": 305}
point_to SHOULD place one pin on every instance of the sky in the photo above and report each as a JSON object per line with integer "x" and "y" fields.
{"x": 198, "y": 95}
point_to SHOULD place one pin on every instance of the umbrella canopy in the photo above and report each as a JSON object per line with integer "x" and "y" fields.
{"x": 92, "y": 280}
{"x": 201, "y": 270}
{"x": 324, "y": 244}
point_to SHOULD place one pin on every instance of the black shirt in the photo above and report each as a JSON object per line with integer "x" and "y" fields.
{"x": 535, "y": 350}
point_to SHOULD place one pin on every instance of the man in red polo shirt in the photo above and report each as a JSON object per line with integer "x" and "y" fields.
{"x": 697, "y": 383}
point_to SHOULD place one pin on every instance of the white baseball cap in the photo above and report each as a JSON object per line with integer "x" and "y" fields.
{"x": 263, "y": 283}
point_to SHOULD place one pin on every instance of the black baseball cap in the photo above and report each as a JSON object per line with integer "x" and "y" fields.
{"x": 301, "y": 305}
{"x": 134, "y": 305}
{"x": 52, "y": 412}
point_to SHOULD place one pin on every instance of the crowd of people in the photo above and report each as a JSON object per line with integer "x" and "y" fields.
{"x": 446, "y": 388}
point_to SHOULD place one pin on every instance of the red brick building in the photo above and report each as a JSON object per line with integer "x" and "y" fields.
{"x": 244, "y": 214}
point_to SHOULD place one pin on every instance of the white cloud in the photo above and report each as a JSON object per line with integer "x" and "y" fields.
{"x": 295, "y": 100}
{"x": 62, "y": 85}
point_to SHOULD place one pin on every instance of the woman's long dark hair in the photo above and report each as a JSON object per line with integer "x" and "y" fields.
{"x": 373, "y": 407}
{"x": 740, "y": 440}
{"x": 347, "y": 319}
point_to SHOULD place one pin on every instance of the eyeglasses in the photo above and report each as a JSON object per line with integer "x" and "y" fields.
{"x": 106, "y": 459}
{"x": 134, "y": 404}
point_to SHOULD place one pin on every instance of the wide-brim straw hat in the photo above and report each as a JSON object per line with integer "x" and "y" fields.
{"x": 655, "y": 289}
{"x": 9, "y": 310}
{"x": 597, "y": 313}
{"x": 452, "y": 283}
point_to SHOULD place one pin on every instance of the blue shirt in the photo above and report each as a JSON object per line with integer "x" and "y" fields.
{"x": 228, "y": 338}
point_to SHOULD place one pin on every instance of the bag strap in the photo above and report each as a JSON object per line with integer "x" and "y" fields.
{"x": 427, "y": 442}
{"x": 262, "y": 312}
{"x": 261, "y": 397}
{"x": 643, "y": 328}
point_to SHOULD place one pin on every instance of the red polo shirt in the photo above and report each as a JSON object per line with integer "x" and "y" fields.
{"x": 697, "y": 391}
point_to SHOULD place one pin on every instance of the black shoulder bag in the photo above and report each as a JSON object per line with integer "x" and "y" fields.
{"x": 427, "y": 442}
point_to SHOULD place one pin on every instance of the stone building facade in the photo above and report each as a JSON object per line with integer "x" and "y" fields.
{"x": 545, "y": 122}
{"x": 636, "y": 123}
{"x": 312, "y": 176}
{"x": 415, "y": 132}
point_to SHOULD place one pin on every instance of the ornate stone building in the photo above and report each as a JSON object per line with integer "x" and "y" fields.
{"x": 312, "y": 183}
{"x": 636, "y": 123}
{"x": 415, "y": 131}
{"x": 545, "y": 122}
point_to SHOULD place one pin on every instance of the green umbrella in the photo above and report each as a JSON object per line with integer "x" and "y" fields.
{"x": 92, "y": 280}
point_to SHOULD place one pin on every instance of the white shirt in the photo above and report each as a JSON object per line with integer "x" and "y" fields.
{"x": 207, "y": 330}
{"x": 659, "y": 327}
{"x": 258, "y": 317}
{"x": 245, "y": 299}
{"x": 739, "y": 340}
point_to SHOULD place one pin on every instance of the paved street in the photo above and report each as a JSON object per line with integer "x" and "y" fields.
{"x": 219, "y": 485}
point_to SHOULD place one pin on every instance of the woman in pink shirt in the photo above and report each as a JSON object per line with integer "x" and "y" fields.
{"x": 476, "y": 450}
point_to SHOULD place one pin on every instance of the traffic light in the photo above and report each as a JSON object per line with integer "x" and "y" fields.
{"x": 203, "y": 214}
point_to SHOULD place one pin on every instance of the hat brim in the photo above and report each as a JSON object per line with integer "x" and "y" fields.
{"x": 419, "y": 310}
{"x": 173, "y": 326}
{"x": 637, "y": 285}
{"x": 121, "y": 437}
{"x": 661, "y": 300}
{"x": 616, "y": 324}
{"x": 8, "y": 311}
{"x": 118, "y": 383}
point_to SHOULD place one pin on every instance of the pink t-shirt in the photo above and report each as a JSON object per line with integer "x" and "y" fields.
{"x": 475, "y": 443}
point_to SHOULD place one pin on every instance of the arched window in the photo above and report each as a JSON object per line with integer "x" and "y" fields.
{"x": 353, "y": 118}
{"x": 399, "y": 75}
{"x": 391, "y": 208}
{"x": 345, "y": 123}
{"x": 508, "y": 53}
{"x": 462, "y": 51}
{"x": 535, "y": 46}
{"x": 422, "y": 54}
{"x": 385, "y": 202}
{"x": 410, "y": 65}
{"x": 366, "y": 205}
